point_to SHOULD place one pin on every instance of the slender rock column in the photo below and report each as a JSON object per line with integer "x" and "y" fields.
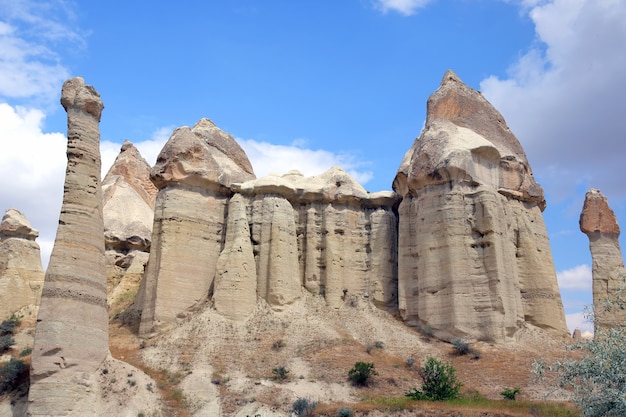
{"x": 598, "y": 222}
{"x": 71, "y": 336}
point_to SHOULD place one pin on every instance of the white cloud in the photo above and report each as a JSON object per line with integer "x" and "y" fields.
{"x": 405, "y": 7}
{"x": 565, "y": 97}
{"x": 29, "y": 66}
{"x": 267, "y": 158}
{"x": 576, "y": 278}
{"x": 32, "y": 170}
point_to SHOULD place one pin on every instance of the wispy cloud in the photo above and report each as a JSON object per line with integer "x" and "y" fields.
{"x": 564, "y": 98}
{"x": 404, "y": 7}
{"x": 576, "y": 278}
{"x": 30, "y": 35}
{"x": 268, "y": 158}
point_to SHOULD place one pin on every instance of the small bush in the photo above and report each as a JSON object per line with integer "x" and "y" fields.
{"x": 344, "y": 412}
{"x": 9, "y": 373}
{"x": 509, "y": 394}
{"x": 426, "y": 330}
{"x": 461, "y": 346}
{"x": 280, "y": 373}
{"x": 361, "y": 373}
{"x": 410, "y": 362}
{"x": 6, "y": 342}
{"x": 439, "y": 382}
{"x": 379, "y": 344}
{"x": 26, "y": 352}
{"x": 278, "y": 344}
{"x": 303, "y": 407}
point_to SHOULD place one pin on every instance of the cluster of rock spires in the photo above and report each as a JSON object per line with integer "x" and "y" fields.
{"x": 459, "y": 245}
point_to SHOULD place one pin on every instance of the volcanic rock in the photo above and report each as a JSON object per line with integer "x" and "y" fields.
{"x": 598, "y": 222}
{"x": 193, "y": 174}
{"x": 21, "y": 272}
{"x": 474, "y": 259}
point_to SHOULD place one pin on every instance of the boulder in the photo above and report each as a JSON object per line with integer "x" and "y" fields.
{"x": 598, "y": 222}
{"x": 474, "y": 259}
{"x": 21, "y": 272}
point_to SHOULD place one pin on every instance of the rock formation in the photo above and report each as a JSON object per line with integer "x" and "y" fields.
{"x": 193, "y": 174}
{"x": 21, "y": 272}
{"x": 474, "y": 259}
{"x": 460, "y": 246}
{"x": 71, "y": 336}
{"x": 128, "y": 213}
{"x": 598, "y": 222}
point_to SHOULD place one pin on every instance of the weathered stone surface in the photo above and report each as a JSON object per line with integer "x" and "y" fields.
{"x": 235, "y": 292}
{"x": 473, "y": 259}
{"x": 21, "y": 272}
{"x": 193, "y": 173}
{"x": 71, "y": 338}
{"x": 598, "y": 222}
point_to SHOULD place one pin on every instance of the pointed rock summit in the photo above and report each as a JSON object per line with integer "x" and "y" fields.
{"x": 21, "y": 272}
{"x": 474, "y": 259}
{"x": 598, "y": 222}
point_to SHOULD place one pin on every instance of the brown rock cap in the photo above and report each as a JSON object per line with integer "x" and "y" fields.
{"x": 14, "y": 224}
{"x": 597, "y": 216}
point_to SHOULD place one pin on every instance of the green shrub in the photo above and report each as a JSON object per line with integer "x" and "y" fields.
{"x": 280, "y": 373}
{"x": 303, "y": 407}
{"x": 361, "y": 373}
{"x": 509, "y": 394}
{"x": 461, "y": 346}
{"x": 9, "y": 373}
{"x": 344, "y": 412}
{"x": 439, "y": 382}
{"x": 409, "y": 362}
{"x": 6, "y": 342}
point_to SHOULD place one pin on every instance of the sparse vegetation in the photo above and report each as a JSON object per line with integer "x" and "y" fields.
{"x": 9, "y": 373}
{"x": 6, "y": 342}
{"x": 344, "y": 412}
{"x": 278, "y": 344}
{"x": 409, "y": 362}
{"x": 303, "y": 407}
{"x": 463, "y": 348}
{"x": 26, "y": 352}
{"x": 361, "y": 373}
{"x": 8, "y": 326}
{"x": 439, "y": 382}
{"x": 510, "y": 393}
{"x": 280, "y": 373}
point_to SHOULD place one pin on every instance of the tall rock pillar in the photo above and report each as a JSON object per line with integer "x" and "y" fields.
{"x": 71, "y": 336}
{"x": 598, "y": 222}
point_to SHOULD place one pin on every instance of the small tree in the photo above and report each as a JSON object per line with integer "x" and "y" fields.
{"x": 361, "y": 372}
{"x": 510, "y": 393}
{"x": 439, "y": 382}
{"x": 9, "y": 373}
{"x": 598, "y": 377}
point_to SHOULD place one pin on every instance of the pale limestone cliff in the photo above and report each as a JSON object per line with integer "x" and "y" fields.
{"x": 71, "y": 336}
{"x": 598, "y": 222}
{"x": 474, "y": 259}
{"x": 21, "y": 272}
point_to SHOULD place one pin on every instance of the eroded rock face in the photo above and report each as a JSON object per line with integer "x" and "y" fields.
{"x": 598, "y": 222}
{"x": 128, "y": 212}
{"x": 71, "y": 336}
{"x": 474, "y": 259}
{"x": 21, "y": 272}
{"x": 193, "y": 174}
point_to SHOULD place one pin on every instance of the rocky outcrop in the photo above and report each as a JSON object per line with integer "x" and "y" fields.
{"x": 474, "y": 259}
{"x": 21, "y": 272}
{"x": 71, "y": 336}
{"x": 128, "y": 211}
{"x": 460, "y": 246}
{"x": 598, "y": 222}
{"x": 193, "y": 174}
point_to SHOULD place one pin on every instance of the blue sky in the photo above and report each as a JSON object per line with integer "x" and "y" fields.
{"x": 312, "y": 84}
